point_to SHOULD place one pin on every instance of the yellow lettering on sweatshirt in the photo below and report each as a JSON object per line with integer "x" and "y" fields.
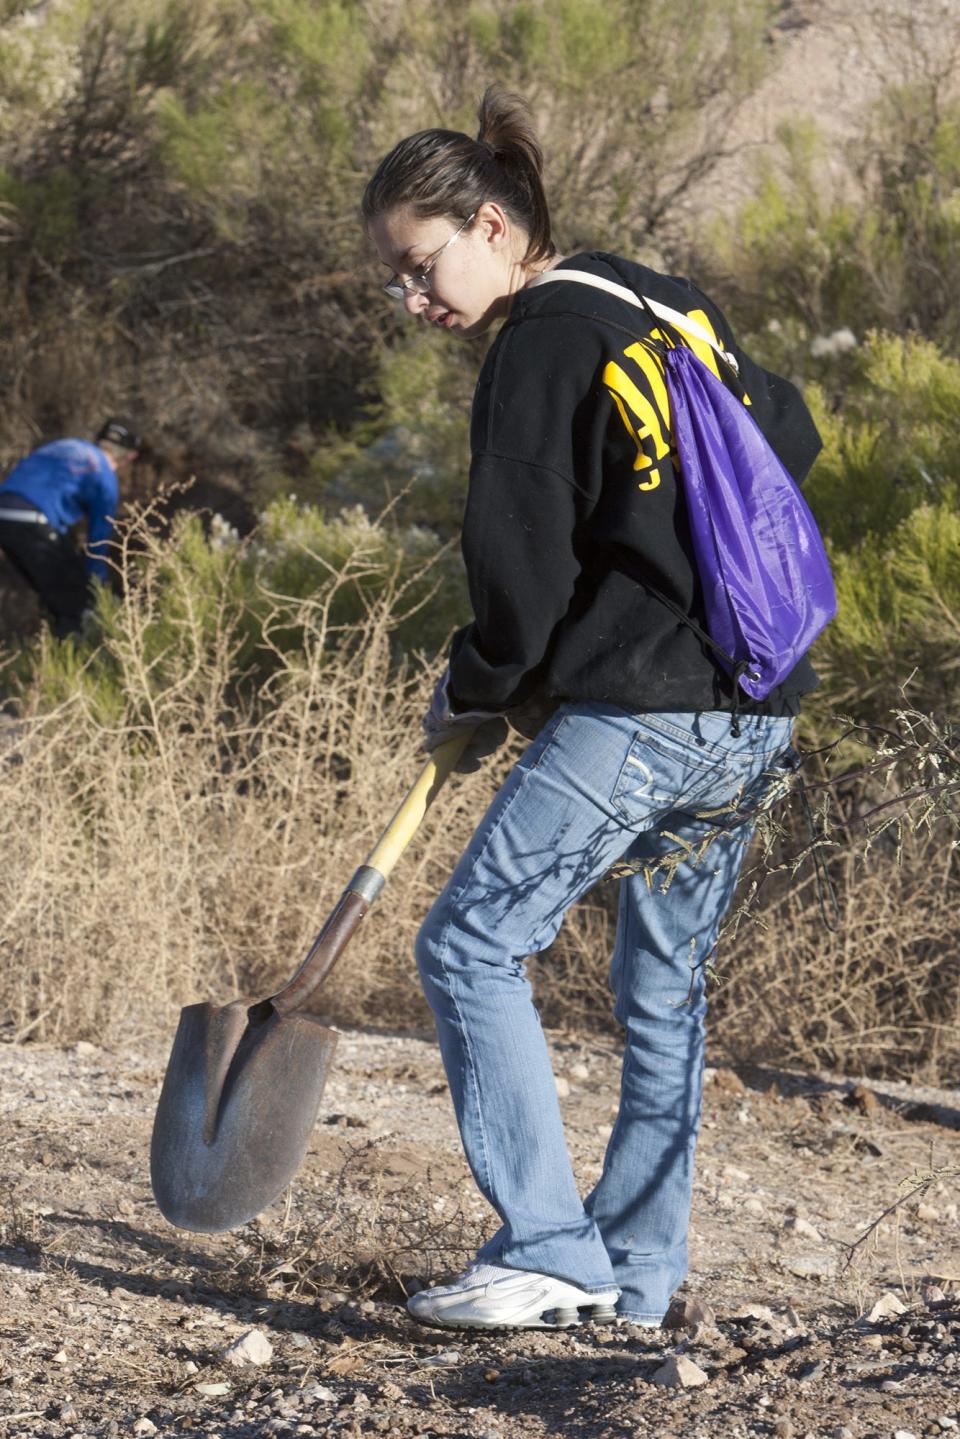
{"x": 648, "y": 427}
{"x": 646, "y": 419}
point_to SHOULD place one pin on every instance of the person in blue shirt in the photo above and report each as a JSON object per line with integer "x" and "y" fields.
{"x": 45, "y": 495}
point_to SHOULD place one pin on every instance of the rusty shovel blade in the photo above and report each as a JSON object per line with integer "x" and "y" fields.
{"x": 239, "y": 1100}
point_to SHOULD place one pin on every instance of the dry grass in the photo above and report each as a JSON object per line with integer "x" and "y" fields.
{"x": 374, "y": 1238}
{"x": 880, "y": 995}
{"x": 188, "y": 843}
{"x": 191, "y": 845}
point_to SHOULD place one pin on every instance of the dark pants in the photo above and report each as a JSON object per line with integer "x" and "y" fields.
{"x": 52, "y": 565}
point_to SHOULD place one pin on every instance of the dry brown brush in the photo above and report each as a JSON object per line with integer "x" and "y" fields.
{"x": 182, "y": 833}
{"x": 185, "y": 798}
{"x": 840, "y": 951}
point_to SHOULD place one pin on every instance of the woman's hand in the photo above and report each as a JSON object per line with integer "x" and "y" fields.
{"x": 441, "y": 723}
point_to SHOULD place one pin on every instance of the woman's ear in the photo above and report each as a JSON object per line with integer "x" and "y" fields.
{"x": 493, "y": 225}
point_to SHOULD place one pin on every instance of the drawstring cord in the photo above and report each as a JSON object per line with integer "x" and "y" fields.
{"x": 739, "y": 669}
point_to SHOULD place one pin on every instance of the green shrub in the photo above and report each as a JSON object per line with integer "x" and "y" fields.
{"x": 873, "y": 244}
{"x": 412, "y": 445}
{"x": 197, "y": 605}
{"x": 893, "y": 444}
{"x": 898, "y": 619}
{"x": 43, "y": 210}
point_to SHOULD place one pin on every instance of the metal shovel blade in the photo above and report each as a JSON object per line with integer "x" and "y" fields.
{"x": 239, "y": 1100}
{"x": 244, "y": 1081}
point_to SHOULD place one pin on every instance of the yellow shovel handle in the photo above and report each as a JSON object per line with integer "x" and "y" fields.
{"x": 404, "y": 824}
{"x": 369, "y": 879}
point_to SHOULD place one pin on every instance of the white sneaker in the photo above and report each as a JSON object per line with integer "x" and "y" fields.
{"x": 487, "y": 1296}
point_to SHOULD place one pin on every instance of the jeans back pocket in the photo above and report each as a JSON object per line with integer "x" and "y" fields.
{"x": 663, "y": 771}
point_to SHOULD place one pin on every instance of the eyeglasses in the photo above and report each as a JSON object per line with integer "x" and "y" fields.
{"x": 419, "y": 282}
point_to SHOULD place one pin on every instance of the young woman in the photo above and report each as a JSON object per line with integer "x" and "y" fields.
{"x": 586, "y": 603}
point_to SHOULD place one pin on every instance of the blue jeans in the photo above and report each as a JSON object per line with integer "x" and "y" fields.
{"x": 596, "y": 786}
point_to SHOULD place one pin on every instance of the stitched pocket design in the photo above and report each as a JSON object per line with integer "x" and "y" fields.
{"x": 659, "y": 775}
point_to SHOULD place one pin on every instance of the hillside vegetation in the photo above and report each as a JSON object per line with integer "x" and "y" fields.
{"x": 189, "y": 785}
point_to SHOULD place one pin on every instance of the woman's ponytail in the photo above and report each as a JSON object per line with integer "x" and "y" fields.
{"x": 506, "y": 127}
{"x": 443, "y": 172}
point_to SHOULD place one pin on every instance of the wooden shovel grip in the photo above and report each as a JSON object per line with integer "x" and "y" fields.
{"x": 370, "y": 878}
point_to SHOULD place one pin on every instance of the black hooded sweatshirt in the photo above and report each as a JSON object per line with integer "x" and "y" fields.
{"x": 575, "y": 506}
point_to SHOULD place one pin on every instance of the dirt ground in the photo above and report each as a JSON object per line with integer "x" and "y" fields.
{"x": 112, "y": 1322}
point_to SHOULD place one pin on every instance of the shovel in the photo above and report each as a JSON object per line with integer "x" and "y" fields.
{"x": 244, "y": 1081}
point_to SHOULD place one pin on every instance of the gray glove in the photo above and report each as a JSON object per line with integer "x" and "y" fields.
{"x": 441, "y": 723}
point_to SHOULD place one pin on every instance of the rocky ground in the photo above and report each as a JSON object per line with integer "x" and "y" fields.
{"x": 113, "y": 1323}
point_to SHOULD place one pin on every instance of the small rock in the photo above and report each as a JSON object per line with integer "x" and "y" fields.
{"x": 144, "y": 1426}
{"x": 390, "y": 1391}
{"x": 804, "y": 1228}
{"x": 783, "y": 1427}
{"x": 761, "y": 1312}
{"x": 251, "y": 1348}
{"x": 873, "y": 1341}
{"x": 727, "y": 1081}
{"x": 212, "y": 1389}
{"x": 926, "y": 1214}
{"x": 734, "y": 1175}
{"x": 891, "y": 1386}
{"x": 563, "y": 1087}
{"x": 946, "y": 1423}
{"x": 811, "y": 1266}
{"x": 83, "y": 1046}
{"x": 688, "y": 1314}
{"x": 679, "y": 1372}
{"x": 886, "y": 1306}
{"x": 320, "y": 1394}
{"x": 904, "y": 1434}
{"x": 933, "y": 1295}
{"x": 753, "y": 1206}
{"x": 190, "y": 1368}
{"x": 67, "y": 1414}
{"x": 811, "y": 1372}
{"x": 60, "y": 1357}
{"x": 444, "y": 1360}
{"x": 841, "y": 1432}
{"x": 862, "y": 1098}
{"x": 579, "y": 1072}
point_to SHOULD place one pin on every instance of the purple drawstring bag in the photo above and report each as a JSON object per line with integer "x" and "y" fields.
{"x": 768, "y": 590}
{"x": 763, "y": 568}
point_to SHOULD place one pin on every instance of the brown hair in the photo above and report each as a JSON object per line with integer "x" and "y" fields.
{"x": 444, "y": 172}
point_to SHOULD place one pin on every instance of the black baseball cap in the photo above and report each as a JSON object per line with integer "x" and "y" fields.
{"x": 120, "y": 431}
